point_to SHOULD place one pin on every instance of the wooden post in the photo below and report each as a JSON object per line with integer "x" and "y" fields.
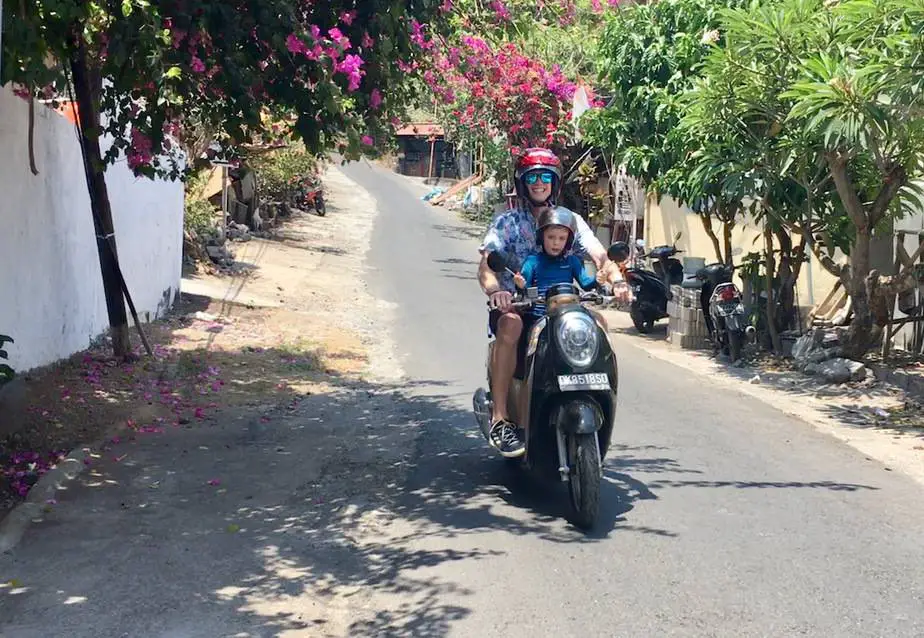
{"x": 432, "y": 154}
{"x": 919, "y": 327}
{"x": 887, "y": 337}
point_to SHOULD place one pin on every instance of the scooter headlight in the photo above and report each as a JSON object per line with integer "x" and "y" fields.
{"x": 578, "y": 339}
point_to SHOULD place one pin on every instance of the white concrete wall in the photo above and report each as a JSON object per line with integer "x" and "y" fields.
{"x": 51, "y": 293}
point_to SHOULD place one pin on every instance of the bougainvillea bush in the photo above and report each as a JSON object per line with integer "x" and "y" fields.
{"x": 503, "y": 74}
{"x": 329, "y": 68}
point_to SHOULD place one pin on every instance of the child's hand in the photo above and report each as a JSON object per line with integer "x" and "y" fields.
{"x": 519, "y": 281}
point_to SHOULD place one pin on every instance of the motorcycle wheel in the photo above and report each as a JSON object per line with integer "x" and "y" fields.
{"x": 735, "y": 340}
{"x": 584, "y": 480}
{"x": 639, "y": 321}
{"x": 320, "y": 207}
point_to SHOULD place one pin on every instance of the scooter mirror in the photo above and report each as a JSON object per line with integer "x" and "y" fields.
{"x": 678, "y": 236}
{"x": 618, "y": 252}
{"x": 496, "y": 262}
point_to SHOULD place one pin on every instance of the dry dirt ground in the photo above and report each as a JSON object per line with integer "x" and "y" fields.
{"x": 295, "y": 323}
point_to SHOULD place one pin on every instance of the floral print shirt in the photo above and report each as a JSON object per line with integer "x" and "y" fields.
{"x": 514, "y": 233}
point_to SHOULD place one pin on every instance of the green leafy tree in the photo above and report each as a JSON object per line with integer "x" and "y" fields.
{"x": 736, "y": 108}
{"x": 649, "y": 56}
{"x": 861, "y": 96}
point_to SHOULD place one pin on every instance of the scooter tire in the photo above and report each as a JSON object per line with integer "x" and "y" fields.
{"x": 641, "y": 323}
{"x": 584, "y": 480}
{"x": 320, "y": 209}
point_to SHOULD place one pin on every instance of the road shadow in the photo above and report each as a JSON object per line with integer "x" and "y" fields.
{"x": 312, "y": 510}
{"x": 658, "y": 332}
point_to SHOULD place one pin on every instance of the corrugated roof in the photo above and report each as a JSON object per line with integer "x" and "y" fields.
{"x": 425, "y": 129}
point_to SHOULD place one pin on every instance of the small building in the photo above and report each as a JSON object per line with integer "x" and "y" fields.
{"x": 423, "y": 142}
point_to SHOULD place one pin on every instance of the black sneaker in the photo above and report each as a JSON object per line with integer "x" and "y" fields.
{"x": 506, "y": 438}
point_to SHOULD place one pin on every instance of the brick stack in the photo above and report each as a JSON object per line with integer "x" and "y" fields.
{"x": 687, "y": 327}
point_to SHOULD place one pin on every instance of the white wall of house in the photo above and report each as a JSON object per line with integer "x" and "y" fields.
{"x": 51, "y": 294}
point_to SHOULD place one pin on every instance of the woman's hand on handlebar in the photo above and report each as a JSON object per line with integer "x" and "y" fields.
{"x": 501, "y": 300}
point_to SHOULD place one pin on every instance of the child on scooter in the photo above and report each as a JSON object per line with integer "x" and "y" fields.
{"x": 554, "y": 263}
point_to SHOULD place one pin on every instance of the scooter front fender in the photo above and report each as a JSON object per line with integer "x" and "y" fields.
{"x": 580, "y": 415}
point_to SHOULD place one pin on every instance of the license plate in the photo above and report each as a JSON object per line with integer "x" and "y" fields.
{"x": 727, "y": 308}
{"x": 591, "y": 381}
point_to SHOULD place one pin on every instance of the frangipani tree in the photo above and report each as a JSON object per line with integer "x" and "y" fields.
{"x": 860, "y": 95}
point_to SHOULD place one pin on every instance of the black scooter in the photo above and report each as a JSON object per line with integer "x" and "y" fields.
{"x": 651, "y": 289}
{"x": 723, "y": 309}
{"x": 563, "y": 392}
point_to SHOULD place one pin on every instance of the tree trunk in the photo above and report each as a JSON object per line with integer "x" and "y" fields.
{"x": 771, "y": 297}
{"x": 869, "y": 298}
{"x": 706, "y": 218}
{"x": 860, "y": 335}
{"x": 86, "y": 90}
{"x": 788, "y": 275}
{"x": 727, "y": 236}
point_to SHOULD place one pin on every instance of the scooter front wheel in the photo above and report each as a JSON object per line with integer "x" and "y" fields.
{"x": 584, "y": 479}
{"x": 641, "y": 323}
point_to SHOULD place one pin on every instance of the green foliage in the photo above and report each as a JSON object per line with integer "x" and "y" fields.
{"x": 281, "y": 174}
{"x": 6, "y": 372}
{"x": 649, "y": 55}
{"x": 810, "y": 110}
{"x": 199, "y": 215}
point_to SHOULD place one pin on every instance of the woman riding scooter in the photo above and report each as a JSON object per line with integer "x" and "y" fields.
{"x": 538, "y": 178}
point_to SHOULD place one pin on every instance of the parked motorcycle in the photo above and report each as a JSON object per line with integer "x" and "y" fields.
{"x": 310, "y": 194}
{"x": 314, "y": 197}
{"x": 563, "y": 392}
{"x": 723, "y": 309}
{"x": 651, "y": 289}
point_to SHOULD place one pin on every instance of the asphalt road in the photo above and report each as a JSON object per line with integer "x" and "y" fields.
{"x": 721, "y": 516}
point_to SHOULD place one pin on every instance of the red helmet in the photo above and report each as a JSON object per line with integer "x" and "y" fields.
{"x": 538, "y": 159}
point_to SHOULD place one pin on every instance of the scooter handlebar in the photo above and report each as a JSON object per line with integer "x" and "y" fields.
{"x": 516, "y": 305}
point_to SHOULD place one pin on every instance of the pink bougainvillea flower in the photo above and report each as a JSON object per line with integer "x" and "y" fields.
{"x": 500, "y": 10}
{"x": 336, "y": 35}
{"x": 368, "y": 41}
{"x": 368, "y": 141}
{"x": 347, "y": 17}
{"x": 375, "y": 99}
{"x": 214, "y": 482}
{"x": 197, "y": 65}
{"x": 294, "y": 45}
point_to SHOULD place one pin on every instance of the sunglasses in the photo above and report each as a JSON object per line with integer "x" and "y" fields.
{"x": 532, "y": 178}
